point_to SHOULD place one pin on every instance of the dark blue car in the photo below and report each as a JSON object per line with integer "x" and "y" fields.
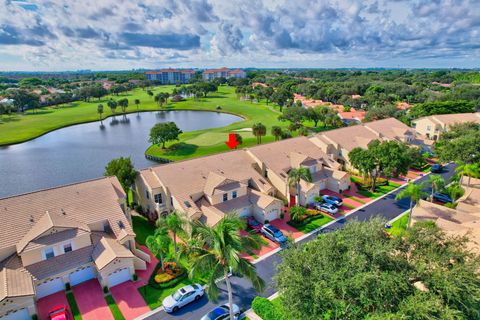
{"x": 442, "y": 197}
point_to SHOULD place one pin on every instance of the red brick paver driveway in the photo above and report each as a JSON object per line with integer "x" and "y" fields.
{"x": 90, "y": 301}
{"x": 46, "y": 304}
{"x": 129, "y": 300}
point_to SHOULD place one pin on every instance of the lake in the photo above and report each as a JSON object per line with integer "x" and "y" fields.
{"x": 82, "y": 151}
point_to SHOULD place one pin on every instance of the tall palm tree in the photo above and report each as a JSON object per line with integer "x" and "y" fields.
{"x": 259, "y": 130}
{"x": 437, "y": 183}
{"x": 158, "y": 243}
{"x": 294, "y": 177}
{"x": 471, "y": 170}
{"x": 137, "y": 103}
{"x": 414, "y": 193}
{"x": 174, "y": 222}
{"x": 112, "y": 105}
{"x": 217, "y": 251}
{"x": 276, "y": 132}
{"x": 100, "y": 112}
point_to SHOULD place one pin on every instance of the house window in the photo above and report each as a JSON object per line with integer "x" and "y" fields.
{"x": 234, "y": 194}
{"x": 225, "y": 197}
{"x": 148, "y": 194}
{"x": 49, "y": 253}
{"x": 428, "y": 128}
{"x": 67, "y": 247}
{"x": 158, "y": 198}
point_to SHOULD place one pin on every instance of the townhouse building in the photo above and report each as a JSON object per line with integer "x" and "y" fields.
{"x": 211, "y": 74}
{"x": 431, "y": 127}
{"x": 64, "y": 235}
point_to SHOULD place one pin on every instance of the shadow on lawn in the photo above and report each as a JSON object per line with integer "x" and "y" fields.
{"x": 181, "y": 149}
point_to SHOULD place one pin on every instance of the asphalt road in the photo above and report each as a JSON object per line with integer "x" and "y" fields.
{"x": 386, "y": 208}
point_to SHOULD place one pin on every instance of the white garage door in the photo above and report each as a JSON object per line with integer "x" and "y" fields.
{"x": 50, "y": 287}
{"x": 272, "y": 215}
{"x": 21, "y": 314}
{"x": 118, "y": 277}
{"x": 80, "y": 276}
{"x": 245, "y": 212}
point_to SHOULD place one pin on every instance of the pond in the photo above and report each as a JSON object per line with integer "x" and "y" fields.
{"x": 81, "y": 152}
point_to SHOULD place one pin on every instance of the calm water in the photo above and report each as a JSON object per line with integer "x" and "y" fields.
{"x": 81, "y": 152}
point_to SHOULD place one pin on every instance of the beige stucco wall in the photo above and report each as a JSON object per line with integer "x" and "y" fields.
{"x": 6, "y": 252}
{"x": 421, "y": 127}
{"x": 9, "y": 305}
{"x": 278, "y": 183}
{"x": 218, "y": 197}
{"x": 36, "y": 255}
{"x": 141, "y": 198}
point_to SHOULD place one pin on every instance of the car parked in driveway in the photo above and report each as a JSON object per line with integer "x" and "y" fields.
{"x": 182, "y": 297}
{"x": 326, "y": 207}
{"x": 273, "y": 234}
{"x": 436, "y": 168}
{"x": 442, "y": 197}
{"x": 254, "y": 224}
{"x": 336, "y": 201}
{"x": 58, "y": 313}
{"x": 222, "y": 313}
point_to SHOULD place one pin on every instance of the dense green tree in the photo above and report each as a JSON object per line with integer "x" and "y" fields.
{"x": 175, "y": 222}
{"x": 164, "y": 132}
{"x": 367, "y": 274}
{"x": 470, "y": 170}
{"x": 460, "y": 143}
{"x": 159, "y": 243}
{"x": 123, "y": 103}
{"x": 123, "y": 169}
{"x": 295, "y": 115}
{"x": 440, "y": 107}
{"x": 161, "y": 98}
{"x": 276, "y": 132}
{"x": 23, "y": 99}
{"x": 217, "y": 251}
{"x": 414, "y": 193}
{"x": 112, "y": 105}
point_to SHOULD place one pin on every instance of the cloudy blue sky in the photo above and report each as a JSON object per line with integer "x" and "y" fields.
{"x": 125, "y": 34}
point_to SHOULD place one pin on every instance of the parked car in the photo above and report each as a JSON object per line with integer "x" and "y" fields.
{"x": 58, "y": 313}
{"x": 326, "y": 207}
{"x": 273, "y": 234}
{"x": 442, "y": 197}
{"x": 254, "y": 224}
{"x": 182, "y": 297}
{"x": 436, "y": 168}
{"x": 336, "y": 201}
{"x": 222, "y": 313}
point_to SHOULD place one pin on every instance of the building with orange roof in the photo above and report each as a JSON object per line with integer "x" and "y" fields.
{"x": 224, "y": 72}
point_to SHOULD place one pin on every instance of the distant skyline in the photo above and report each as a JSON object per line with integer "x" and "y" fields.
{"x": 57, "y": 35}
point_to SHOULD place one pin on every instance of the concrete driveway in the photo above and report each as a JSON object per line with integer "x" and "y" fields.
{"x": 46, "y": 304}
{"x": 91, "y": 302}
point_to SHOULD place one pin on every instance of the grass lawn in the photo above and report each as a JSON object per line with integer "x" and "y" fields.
{"x": 399, "y": 226}
{"x": 380, "y": 190}
{"x": 354, "y": 198}
{"x": 73, "y": 306}
{"x": 19, "y": 128}
{"x": 154, "y": 297}
{"x": 313, "y": 224}
{"x": 142, "y": 229}
{"x": 117, "y": 315}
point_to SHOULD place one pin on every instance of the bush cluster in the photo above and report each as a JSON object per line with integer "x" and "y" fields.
{"x": 265, "y": 309}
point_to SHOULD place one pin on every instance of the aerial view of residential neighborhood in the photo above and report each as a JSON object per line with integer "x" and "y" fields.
{"x": 228, "y": 160}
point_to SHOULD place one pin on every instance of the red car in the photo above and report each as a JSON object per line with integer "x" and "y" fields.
{"x": 254, "y": 224}
{"x": 59, "y": 313}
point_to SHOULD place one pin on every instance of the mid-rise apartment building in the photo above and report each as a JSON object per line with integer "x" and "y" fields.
{"x": 170, "y": 76}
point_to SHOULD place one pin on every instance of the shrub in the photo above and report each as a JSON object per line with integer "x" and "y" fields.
{"x": 34, "y": 317}
{"x": 171, "y": 277}
{"x": 138, "y": 208}
{"x": 266, "y": 221}
{"x": 105, "y": 289}
{"x": 135, "y": 277}
{"x": 219, "y": 108}
{"x": 265, "y": 309}
{"x": 67, "y": 286}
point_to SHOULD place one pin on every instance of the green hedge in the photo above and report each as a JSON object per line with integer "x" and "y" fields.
{"x": 172, "y": 283}
{"x": 117, "y": 314}
{"x": 265, "y": 309}
{"x": 73, "y": 306}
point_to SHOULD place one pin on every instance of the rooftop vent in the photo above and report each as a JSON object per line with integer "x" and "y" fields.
{"x": 187, "y": 204}
{"x": 31, "y": 218}
{"x": 63, "y": 212}
{"x": 121, "y": 225}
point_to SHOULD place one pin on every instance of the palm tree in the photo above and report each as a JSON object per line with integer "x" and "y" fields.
{"x": 137, "y": 103}
{"x": 276, "y": 132}
{"x": 112, "y": 105}
{"x": 455, "y": 191}
{"x": 158, "y": 243}
{"x": 100, "y": 112}
{"x": 414, "y": 193}
{"x": 297, "y": 212}
{"x": 294, "y": 177}
{"x": 259, "y": 130}
{"x": 175, "y": 223}
{"x": 217, "y": 251}
{"x": 471, "y": 170}
{"x": 437, "y": 182}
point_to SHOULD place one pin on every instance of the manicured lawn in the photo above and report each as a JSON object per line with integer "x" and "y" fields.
{"x": 313, "y": 223}
{"x": 19, "y": 128}
{"x": 73, "y": 306}
{"x": 117, "y": 315}
{"x": 399, "y": 226}
{"x": 142, "y": 229}
{"x": 154, "y": 297}
{"x": 380, "y": 190}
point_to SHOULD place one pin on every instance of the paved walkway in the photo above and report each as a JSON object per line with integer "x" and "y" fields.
{"x": 283, "y": 226}
{"x": 46, "y": 304}
{"x": 91, "y": 302}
